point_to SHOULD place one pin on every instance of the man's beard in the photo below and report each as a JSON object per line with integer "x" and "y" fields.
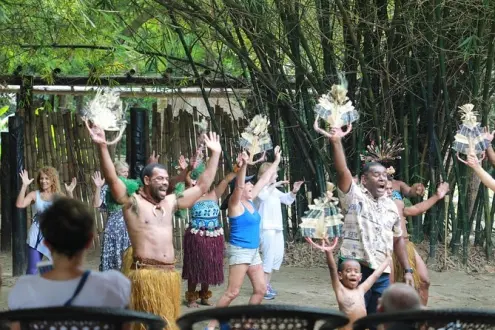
{"x": 155, "y": 193}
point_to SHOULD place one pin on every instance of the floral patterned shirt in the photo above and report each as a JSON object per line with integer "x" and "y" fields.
{"x": 370, "y": 226}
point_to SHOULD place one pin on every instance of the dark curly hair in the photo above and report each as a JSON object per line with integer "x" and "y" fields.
{"x": 67, "y": 226}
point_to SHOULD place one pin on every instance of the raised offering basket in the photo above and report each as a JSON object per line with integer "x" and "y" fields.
{"x": 323, "y": 220}
{"x": 106, "y": 111}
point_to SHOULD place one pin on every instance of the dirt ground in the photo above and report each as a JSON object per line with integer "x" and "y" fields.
{"x": 311, "y": 287}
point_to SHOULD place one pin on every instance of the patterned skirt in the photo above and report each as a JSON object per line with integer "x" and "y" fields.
{"x": 114, "y": 242}
{"x": 203, "y": 258}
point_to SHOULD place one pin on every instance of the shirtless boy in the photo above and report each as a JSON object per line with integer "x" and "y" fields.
{"x": 156, "y": 286}
{"x": 345, "y": 283}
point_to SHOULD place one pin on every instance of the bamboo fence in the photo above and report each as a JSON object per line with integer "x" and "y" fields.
{"x": 60, "y": 139}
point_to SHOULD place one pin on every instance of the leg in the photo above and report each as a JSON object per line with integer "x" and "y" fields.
{"x": 257, "y": 278}
{"x": 424, "y": 285}
{"x": 278, "y": 247}
{"x": 191, "y": 294}
{"x": 268, "y": 258}
{"x": 205, "y": 294}
{"x": 236, "y": 277}
{"x": 33, "y": 258}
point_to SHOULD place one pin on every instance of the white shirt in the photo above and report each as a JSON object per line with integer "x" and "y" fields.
{"x": 269, "y": 208}
{"x": 102, "y": 289}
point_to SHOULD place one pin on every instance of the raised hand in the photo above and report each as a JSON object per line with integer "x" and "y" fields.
{"x": 418, "y": 189}
{"x": 487, "y": 135}
{"x": 182, "y": 163}
{"x": 472, "y": 160}
{"x": 297, "y": 186}
{"x": 335, "y": 133}
{"x": 278, "y": 154}
{"x": 96, "y": 133}
{"x": 212, "y": 142}
{"x": 97, "y": 179}
{"x": 70, "y": 188}
{"x": 154, "y": 157}
{"x": 261, "y": 159}
{"x": 280, "y": 183}
{"x": 443, "y": 189}
{"x": 26, "y": 181}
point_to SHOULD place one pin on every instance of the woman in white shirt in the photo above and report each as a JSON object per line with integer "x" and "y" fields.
{"x": 269, "y": 207}
{"x": 68, "y": 227}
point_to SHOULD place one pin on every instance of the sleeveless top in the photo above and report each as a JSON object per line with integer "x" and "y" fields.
{"x": 40, "y": 205}
{"x": 245, "y": 229}
{"x": 396, "y": 195}
{"x": 204, "y": 219}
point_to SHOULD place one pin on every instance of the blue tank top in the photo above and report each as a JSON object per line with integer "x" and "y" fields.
{"x": 245, "y": 229}
{"x": 396, "y": 195}
{"x": 204, "y": 215}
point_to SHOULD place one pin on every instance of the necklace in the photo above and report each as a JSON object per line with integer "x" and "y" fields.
{"x": 156, "y": 206}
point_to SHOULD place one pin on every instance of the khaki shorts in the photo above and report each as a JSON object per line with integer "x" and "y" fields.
{"x": 238, "y": 255}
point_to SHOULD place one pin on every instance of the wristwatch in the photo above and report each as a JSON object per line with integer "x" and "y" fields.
{"x": 408, "y": 270}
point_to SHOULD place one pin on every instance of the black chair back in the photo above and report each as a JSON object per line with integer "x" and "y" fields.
{"x": 79, "y": 318}
{"x": 430, "y": 319}
{"x": 265, "y": 317}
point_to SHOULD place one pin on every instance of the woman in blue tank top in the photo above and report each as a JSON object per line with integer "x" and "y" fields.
{"x": 48, "y": 186}
{"x": 243, "y": 251}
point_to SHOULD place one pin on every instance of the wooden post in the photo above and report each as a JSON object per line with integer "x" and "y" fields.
{"x": 6, "y": 238}
{"x": 138, "y": 142}
{"x": 19, "y": 221}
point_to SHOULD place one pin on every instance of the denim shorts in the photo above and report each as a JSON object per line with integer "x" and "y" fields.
{"x": 238, "y": 255}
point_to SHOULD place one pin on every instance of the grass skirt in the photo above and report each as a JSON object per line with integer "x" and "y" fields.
{"x": 203, "y": 258}
{"x": 158, "y": 292}
{"x": 399, "y": 270}
{"x": 127, "y": 260}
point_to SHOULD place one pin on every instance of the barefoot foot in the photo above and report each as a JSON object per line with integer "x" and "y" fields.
{"x": 205, "y": 302}
{"x": 192, "y": 304}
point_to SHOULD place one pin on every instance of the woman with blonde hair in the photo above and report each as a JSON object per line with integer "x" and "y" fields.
{"x": 115, "y": 238}
{"x": 48, "y": 183}
{"x": 269, "y": 207}
{"x": 243, "y": 250}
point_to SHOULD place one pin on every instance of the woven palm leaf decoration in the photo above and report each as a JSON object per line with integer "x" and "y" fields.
{"x": 324, "y": 218}
{"x": 255, "y": 138}
{"x": 470, "y": 136}
{"x": 201, "y": 129}
{"x": 386, "y": 151}
{"x": 106, "y": 111}
{"x": 336, "y": 108}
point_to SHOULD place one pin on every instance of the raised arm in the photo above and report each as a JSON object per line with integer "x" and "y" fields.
{"x": 344, "y": 176}
{"x": 181, "y": 177}
{"x": 235, "y": 198}
{"x": 220, "y": 188}
{"x": 368, "y": 283}
{"x": 490, "y": 153}
{"x": 116, "y": 186}
{"x": 70, "y": 187}
{"x": 265, "y": 178}
{"x": 416, "y": 190}
{"x": 424, "y": 206}
{"x": 24, "y": 200}
{"x": 204, "y": 182}
{"x": 485, "y": 177}
{"x": 332, "y": 267}
{"x": 98, "y": 182}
